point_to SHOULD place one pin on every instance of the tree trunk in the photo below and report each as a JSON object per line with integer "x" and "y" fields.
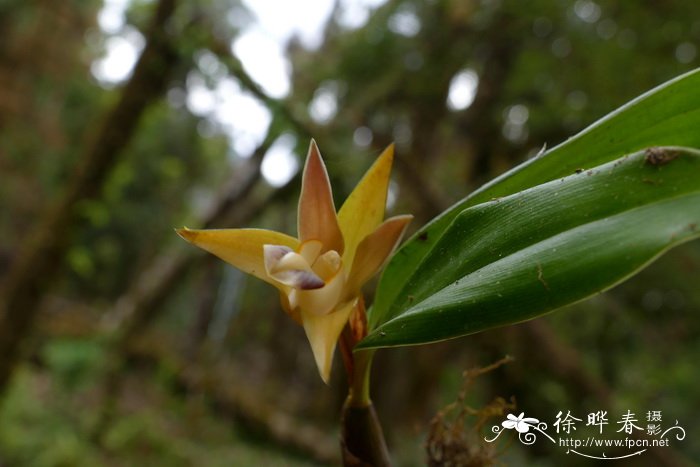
{"x": 41, "y": 254}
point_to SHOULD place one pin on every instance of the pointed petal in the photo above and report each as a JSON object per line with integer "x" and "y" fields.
{"x": 363, "y": 211}
{"x": 317, "y": 219}
{"x": 323, "y": 332}
{"x": 242, "y": 248}
{"x": 374, "y": 250}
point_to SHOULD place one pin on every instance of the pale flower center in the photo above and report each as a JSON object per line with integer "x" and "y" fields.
{"x": 314, "y": 281}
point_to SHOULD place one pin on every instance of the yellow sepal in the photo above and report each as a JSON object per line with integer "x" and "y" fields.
{"x": 242, "y": 248}
{"x": 323, "y": 332}
{"x": 363, "y": 211}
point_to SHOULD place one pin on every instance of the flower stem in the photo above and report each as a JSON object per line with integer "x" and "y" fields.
{"x": 362, "y": 437}
{"x": 359, "y": 386}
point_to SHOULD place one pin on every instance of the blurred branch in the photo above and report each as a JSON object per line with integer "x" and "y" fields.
{"x": 479, "y": 121}
{"x": 235, "y": 67}
{"x": 41, "y": 254}
{"x": 563, "y": 360}
{"x": 432, "y": 199}
{"x": 222, "y": 385}
{"x": 143, "y": 301}
{"x": 208, "y": 287}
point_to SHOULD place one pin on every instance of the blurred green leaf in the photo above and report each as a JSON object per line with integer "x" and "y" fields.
{"x": 515, "y": 258}
{"x": 666, "y": 115}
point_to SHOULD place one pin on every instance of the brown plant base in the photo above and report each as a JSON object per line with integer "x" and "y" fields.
{"x": 362, "y": 440}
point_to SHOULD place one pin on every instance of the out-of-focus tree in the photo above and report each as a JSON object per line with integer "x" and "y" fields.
{"x": 466, "y": 89}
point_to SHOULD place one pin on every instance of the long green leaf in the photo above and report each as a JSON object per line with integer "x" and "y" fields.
{"x": 666, "y": 115}
{"x": 512, "y": 259}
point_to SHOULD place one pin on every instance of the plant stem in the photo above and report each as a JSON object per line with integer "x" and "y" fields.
{"x": 362, "y": 437}
{"x": 359, "y": 386}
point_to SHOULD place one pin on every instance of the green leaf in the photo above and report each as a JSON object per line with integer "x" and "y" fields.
{"x": 666, "y": 115}
{"x": 518, "y": 257}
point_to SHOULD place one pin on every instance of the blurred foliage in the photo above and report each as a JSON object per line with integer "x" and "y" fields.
{"x": 545, "y": 70}
{"x": 44, "y": 420}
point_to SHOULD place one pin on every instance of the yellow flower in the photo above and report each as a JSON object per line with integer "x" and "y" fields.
{"x": 320, "y": 273}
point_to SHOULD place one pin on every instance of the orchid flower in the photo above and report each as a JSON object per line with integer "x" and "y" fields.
{"x": 319, "y": 274}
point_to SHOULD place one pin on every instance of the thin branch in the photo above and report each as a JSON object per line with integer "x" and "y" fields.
{"x": 278, "y": 107}
{"x": 141, "y": 304}
{"x": 142, "y": 301}
{"x": 40, "y": 255}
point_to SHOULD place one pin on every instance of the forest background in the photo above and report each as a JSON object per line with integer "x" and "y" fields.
{"x": 122, "y": 345}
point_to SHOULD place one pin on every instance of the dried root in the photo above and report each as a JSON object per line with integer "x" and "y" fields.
{"x": 455, "y": 438}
